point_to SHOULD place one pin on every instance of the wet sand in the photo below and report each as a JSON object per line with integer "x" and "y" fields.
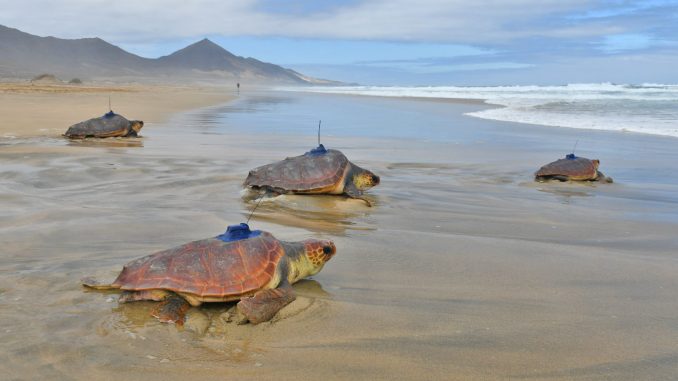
{"x": 465, "y": 269}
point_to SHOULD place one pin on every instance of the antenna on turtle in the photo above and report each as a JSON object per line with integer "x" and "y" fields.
{"x": 571, "y": 156}
{"x": 255, "y": 208}
{"x": 320, "y": 121}
{"x": 110, "y": 112}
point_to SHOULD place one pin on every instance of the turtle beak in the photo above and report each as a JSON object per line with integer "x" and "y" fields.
{"x": 375, "y": 180}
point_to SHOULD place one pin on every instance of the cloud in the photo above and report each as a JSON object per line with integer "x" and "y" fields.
{"x": 430, "y": 65}
{"x": 426, "y": 40}
{"x": 451, "y": 21}
{"x": 612, "y": 8}
{"x": 608, "y": 68}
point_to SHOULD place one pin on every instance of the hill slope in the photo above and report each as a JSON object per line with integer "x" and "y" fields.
{"x": 25, "y": 56}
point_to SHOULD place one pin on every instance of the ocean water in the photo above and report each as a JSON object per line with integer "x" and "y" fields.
{"x": 646, "y": 108}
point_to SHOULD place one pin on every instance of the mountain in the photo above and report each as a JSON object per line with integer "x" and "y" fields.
{"x": 207, "y": 56}
{"x": 23, "y": 55}
{"x": 203, "y": 55}
{"x": 26, "y": 55}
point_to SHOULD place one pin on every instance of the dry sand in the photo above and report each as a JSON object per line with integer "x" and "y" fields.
{"x": 49, "y": 109}
{"x": 464, "y": 269}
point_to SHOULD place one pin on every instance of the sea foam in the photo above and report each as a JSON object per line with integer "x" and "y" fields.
{"x": 645, "y": 108}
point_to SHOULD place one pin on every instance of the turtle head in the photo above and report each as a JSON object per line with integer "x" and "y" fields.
{"x": 136, "y": 125}
{"x": 364, "y": 179}
{"x": 596, "y": 163}
{"x": 310, "y": 258}
{"x": 318, "y": 252}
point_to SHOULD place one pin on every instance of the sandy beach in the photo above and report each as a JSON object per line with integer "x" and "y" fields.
{"x": 49, "y": 109}
{"x": 464, "y": 269}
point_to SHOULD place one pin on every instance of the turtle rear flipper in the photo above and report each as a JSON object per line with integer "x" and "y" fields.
{"x": 96, "y": 284}
{"x": 135, "y": 296}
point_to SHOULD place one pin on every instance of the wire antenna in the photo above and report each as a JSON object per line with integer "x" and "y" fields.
{"x": 255, "y": 208}
{"x": 109, "y": 104}
{"x": 320, "y": 121}
{"x": 575, "y": 146}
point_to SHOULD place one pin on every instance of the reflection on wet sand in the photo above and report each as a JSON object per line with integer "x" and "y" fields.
{"x": 319, "y": 213}
{"x": 107, "y": 142}
{"x": 566, "y": 192}
{"x": 215, "y": 118}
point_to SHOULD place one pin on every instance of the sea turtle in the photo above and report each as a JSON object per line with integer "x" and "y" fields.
{"x": 251, "y": 266}
{"x": 572, "y": 168}
{"x": 319, "y": 171}
{"x": 109, "y": 125}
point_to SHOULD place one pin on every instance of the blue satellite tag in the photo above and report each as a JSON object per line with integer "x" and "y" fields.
{"x": 320, "y": 150}
{"x": 238, "y": 232}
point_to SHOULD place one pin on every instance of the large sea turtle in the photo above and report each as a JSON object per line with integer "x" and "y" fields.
{"x": 572, "y": 168}
{"x": 319, "y": 171}
{"x": 251, "y": 266}
{"x": 109, "y": 125}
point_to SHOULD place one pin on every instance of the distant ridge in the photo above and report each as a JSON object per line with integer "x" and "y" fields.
{"x": 24, "y": 55}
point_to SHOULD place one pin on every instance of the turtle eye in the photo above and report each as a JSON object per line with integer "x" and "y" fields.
{"x": 329, "y": 250}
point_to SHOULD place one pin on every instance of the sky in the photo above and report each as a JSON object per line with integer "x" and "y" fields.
{"x": 391, "y": 42}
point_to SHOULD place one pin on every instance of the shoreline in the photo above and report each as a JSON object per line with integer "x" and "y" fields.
{"x": 488, "y": 106}
{"x": 34, "y": 110}
{"x": 592, "y": 142}
{"x": 469, "y": 101}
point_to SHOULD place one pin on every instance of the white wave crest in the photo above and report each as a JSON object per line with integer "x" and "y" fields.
{"x": 646, "y": 108}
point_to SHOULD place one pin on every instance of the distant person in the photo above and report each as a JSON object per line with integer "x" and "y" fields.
{"x": 238, "y": 86}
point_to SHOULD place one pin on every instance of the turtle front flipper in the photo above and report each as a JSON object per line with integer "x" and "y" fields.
{"x": 266, "y": 303}
{"x": 560, "y": 178}
{"x": 96, "y": 284}
{"x": 602, "y": 178}
{"x": 172, "y": 310}
{"x": 353, "y": 192}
